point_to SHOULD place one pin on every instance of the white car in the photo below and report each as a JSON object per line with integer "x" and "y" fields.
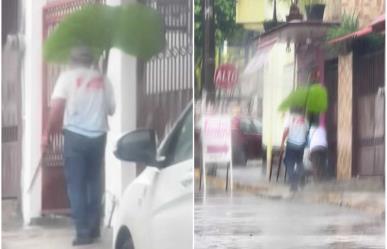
{"x": 156, "y": 209}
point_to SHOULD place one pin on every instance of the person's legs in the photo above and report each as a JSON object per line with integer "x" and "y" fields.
{"x": 319, "y": 162}
{"x": 94, "y": 183}
{"x": 75, "y": 166}
{"x": 324, "y": 163}
{"x": 290, "y": 161}
{"x": 313, "y": 159}
{"x": 300, "y": 171}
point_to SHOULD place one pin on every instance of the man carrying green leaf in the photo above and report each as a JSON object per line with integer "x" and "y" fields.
{"x": 295, "y": 135}
{"x": 83, "y": 98}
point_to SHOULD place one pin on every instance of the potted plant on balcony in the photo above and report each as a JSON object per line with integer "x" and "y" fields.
{"x": 349, "y": 24}
{"x": 294, "y": 12}
{"x": 270, "y": 24}
{"x": 314, "y": 9}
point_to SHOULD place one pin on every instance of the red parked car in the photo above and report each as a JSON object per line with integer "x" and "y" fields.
{"x": 246, "y": 140}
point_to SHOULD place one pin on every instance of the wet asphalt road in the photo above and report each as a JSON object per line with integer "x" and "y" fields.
{"x": 246, "y": 221}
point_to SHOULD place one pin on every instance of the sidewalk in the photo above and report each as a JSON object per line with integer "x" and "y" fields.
{"x": 43, "y": 237}
{"x": 362, "y": 194}
{"x": 46, "y": 233}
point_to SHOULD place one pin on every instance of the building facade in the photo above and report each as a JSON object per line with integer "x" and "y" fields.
{"x": 148, "y": 94}
{"x": 355, "y": 155}
{"x": 354, "y": 80}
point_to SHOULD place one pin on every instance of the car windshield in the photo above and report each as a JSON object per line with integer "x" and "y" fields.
{"x": 183, "y": 148}
{"x": 250, "y": 126}
{"x": 257, "y": 126}
{"x": 178, "y": 145}
{"x": 245, "y": 125}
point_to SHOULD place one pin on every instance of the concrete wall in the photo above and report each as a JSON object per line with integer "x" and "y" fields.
{"x": 252, "y": 13}
{"x": 32, "y": 111}
{"x": 344, "y": 124}
{"x": 367, "y": 10}
{"x": 278, "y": 83}
{"x": 122, "y": 71}
{"x": 332, "y": 11}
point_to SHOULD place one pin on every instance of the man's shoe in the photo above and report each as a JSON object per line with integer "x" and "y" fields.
{"x": 293, "y": 188}
{"x": 302, "y": 181}
{"x": 79, "y": 241}
{"x": 96, "y": 233}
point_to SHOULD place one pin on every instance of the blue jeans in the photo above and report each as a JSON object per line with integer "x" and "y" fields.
{"x": 83, "y": 159}
{"x": 294, "y": 156}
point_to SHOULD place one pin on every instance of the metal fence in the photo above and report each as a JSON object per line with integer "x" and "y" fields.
{"x": 165, "y": 82}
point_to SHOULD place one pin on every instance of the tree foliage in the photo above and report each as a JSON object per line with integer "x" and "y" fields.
{"x": 226, "y": 27}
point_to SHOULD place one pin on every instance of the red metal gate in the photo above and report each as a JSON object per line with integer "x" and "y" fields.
{"x": 165, "y": 82}
{"x": 54, "y": 197}
{"x": 369, "y": 118}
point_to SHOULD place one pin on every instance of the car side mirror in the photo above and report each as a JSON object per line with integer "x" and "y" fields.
{"x": 137, "y": 146}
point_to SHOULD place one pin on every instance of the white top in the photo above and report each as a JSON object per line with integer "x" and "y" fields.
{"x": 298, "y": 128}
{"x": 318, "y": 137}
{"x": 89, "y": 100}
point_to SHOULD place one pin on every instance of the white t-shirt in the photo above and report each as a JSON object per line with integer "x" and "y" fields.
{"x": 318, "y": 137}
{"x": 298, "y": 127}
{"x": 89, "y": 100}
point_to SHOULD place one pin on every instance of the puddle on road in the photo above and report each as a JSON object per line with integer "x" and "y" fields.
{"x": 371, "y": 228}
{"x": 250, "y": 222}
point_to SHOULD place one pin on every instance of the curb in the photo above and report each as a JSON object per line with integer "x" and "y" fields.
{"x": 359, "y": 201}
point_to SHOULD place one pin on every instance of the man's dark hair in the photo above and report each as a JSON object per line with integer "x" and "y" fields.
{"x": 314, "y": 119}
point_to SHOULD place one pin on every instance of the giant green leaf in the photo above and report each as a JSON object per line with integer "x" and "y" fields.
{"x": 296, "y": 98}
{"x": 140, "y": 31}
{"x": 91, "y": 26}
{"x": 134, "y": 28}
{"x": 313, "y": 99}
{"x": 317, "y": 100}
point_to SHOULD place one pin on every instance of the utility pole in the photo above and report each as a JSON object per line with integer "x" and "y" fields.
{"x": 208, "y": 68}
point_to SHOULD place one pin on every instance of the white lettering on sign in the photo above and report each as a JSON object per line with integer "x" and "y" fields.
{"x": 216, "y": 137}
{"x": 226, "y": 76}
{"x": 216, "y": 145}
{"x": 214, "y": 129}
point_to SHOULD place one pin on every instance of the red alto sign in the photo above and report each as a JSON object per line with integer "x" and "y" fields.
{"x": 226, "y": 76}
